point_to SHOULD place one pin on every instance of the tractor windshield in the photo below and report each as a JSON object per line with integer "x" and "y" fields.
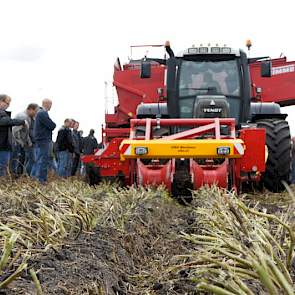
{"x": 209, "y": 77}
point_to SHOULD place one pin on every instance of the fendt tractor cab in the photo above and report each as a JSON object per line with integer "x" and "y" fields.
{"x": 208, "y": 82}
{"x": 206, "y": 124}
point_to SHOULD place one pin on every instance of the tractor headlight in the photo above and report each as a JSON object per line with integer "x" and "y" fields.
{"x": 203, "y": 50}
{"x": 193, "y": 50}
{"x": 141, "y": 151}
{"x": 215, "y": 49}
{"x": 226, "y": 50}
{"x": 223, "y": 150}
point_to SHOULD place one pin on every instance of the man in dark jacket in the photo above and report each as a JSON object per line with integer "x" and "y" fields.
{"x": 42, "y": 135}
{"x": 77, "y": 140}
{"x": 65, "y": 149}
{"x": 6, "y": 124}
{"x": 90, "y": 143}
{"x": 22, "y": 154}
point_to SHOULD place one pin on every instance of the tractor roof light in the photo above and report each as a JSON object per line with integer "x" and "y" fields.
{"x": 248, "y": 44}
{"x": 225, "y": 50}
{"x": 215, "y": 49}
{"x": 209, "y": 50}
{"x": 193, "y": 50}
{"x": 203, "y": 50}
{"x": 167, "y": 44}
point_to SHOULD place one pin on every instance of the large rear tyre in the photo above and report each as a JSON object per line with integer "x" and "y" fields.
{"x": 278, "y": 165}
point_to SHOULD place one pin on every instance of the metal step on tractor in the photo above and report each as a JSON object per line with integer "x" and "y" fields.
{"x": 208, "y": 115}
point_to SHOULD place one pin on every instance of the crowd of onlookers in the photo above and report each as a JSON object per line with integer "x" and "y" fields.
{"x": 27, "y": 148}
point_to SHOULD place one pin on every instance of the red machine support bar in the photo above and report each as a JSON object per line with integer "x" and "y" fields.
{"x": 183, "y": 122}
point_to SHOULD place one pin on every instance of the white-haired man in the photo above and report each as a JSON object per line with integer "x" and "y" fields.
{"x": 43, "y": 137}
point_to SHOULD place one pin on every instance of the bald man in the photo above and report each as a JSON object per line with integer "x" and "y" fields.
{"x": 43, "y": 137}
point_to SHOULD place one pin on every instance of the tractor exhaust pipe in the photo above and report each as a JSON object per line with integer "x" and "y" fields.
{"x": 168, "y": 49}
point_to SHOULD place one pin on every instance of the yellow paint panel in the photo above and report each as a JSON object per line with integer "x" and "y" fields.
{"x": 185, "y": 148}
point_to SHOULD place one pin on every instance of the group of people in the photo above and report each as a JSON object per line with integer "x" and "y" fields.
{"x": 26, "y": 145}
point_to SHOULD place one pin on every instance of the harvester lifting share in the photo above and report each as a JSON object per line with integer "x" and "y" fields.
{"x": 183, "y": 144}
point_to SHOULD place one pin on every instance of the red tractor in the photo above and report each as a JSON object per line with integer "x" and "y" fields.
{"x": 209, "y": 115}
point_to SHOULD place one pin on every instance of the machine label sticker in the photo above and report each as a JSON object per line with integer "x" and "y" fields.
{"x": 182, "y": 149}
{"x": 283, "y": 70}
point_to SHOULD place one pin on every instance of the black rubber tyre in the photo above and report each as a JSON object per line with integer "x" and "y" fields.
{"x": 278, "y": 165}
{"x": 182, "y": 185}
{"x": 92, "y": 174}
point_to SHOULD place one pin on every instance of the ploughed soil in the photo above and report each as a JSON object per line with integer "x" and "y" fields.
{"x": 133, "y": 258}
{"x": 115, "y": 261}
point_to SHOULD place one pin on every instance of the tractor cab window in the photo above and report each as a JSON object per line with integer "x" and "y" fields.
{"x": 208, "y": 77}
{"x": 221, "y": 76}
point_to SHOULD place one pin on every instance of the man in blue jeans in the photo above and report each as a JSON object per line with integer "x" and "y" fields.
{"x": 42, "y": 135}
{"x": 6, "y": 124}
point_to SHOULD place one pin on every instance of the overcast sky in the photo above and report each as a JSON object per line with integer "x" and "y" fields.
{"x": 65, "y": 50}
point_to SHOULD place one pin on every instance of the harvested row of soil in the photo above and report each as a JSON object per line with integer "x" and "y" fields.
{"x": 134, "y": 241}
{"x": 126, "y": 252}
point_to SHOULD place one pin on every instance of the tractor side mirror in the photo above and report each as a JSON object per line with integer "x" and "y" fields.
{"x": 160, "y": 92}
{"x": 145, "y": 70}
{"x": 265, "y": 69}
{"x": 256, "y": 92}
